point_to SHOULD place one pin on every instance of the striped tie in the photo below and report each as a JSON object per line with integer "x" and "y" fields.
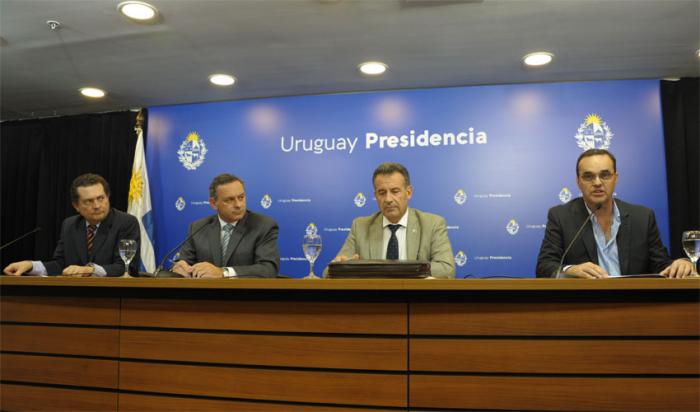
{"x": 91, "y": 229}
{"x": 228, "y": 228}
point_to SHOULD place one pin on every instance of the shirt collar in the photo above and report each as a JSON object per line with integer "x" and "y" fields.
{"x": 223, "y": 223}
{"x": 616, "y": 212}
{"x": 403, "y": 221}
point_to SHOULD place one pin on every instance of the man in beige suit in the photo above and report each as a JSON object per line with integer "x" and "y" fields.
{"x": 397, "y": 231}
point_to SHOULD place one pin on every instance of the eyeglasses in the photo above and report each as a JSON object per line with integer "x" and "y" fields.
{"x": 604, "y": 176}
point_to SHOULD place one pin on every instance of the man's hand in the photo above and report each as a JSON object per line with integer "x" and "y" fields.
{"x": 206, "y": 270}
{"x": 183, "y": 268}
{"x": 342, "y": 258}
{"x": 78, "y": 271}
{"x": 680, "y": 268}
{"x": 588, "y": 270}
{"x": 18, "y": 268}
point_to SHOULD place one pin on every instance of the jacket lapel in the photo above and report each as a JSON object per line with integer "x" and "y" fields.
{"x": 587, "y": 235}
{"x": 214, "y": 239}
{"x": 413, "y": 231}
{"x": 376, "y": 238}
{"x": 623, "y": 238}
{"x": 100, "y": 236}
{"x": 236, "y": 235}
{"x": 80, "y": 238}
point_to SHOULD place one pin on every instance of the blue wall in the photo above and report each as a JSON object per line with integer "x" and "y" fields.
{"x": 310, "y": 160}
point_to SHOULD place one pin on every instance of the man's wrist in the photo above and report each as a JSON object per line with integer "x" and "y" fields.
{"x": 563, "y": 273}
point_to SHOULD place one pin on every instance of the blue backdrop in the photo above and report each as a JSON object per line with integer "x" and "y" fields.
{"x": 491, "y": 159}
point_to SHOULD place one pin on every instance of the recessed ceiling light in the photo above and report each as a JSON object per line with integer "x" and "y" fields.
{"x": 220, "y": 79}
{"x": 672, "y": 79}
{"x": 538, "y": 58}
{"x": 697, "y": 53}
{"x": 373, "y": 68}
{"x": 137, "y": 10}
{"x": 92, "y": 92}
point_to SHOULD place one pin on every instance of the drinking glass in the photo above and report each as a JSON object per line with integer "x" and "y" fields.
{"x": 312, "y": 248}
{"x": 127, "y": 251}
{"x": 691, "y": 245}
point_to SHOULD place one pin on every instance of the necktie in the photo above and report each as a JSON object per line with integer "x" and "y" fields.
{"x": 91, "y": 229}
{"x": 392, "y": 249}
{"x": 228, "y": 228}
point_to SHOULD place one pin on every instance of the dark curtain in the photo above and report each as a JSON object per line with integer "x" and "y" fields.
{"x": 40, "y": 159}
{"x": 679, "y": 103}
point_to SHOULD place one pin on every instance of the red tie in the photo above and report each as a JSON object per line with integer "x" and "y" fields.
{"x": 91, "y": 229}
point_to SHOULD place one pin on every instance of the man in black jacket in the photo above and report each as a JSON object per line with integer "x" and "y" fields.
{"x": 89, "y": 242}
{"x": 621, "y": 239}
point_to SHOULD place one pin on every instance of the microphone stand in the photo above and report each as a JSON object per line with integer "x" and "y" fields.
{"x": 171, "y": 274}
{"x": 578, "y": 233}
{"x": 38, "y": 229}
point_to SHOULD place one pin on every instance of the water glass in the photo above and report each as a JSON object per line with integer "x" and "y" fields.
{"x": 312, "y": 249}
{"x": 691, "y": 245}
{"x": 127, "y": 251}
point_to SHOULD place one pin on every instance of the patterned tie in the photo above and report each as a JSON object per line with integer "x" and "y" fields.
{"x": 91, "y": 229}
{"x": 392, "y": 249}
{"x": 228, "y": 228}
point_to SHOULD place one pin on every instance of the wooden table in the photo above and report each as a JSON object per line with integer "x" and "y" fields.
{"x": 342, "y": 345}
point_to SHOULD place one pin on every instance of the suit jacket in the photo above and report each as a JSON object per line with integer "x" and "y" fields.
{"x": 72, "y": 245}
{"x": 426, "y": 239}
{"x": 252, "y": 250}
{"x": 638, "y": 243}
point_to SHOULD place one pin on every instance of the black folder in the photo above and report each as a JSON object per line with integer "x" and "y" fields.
{"x": 379, "y": 269}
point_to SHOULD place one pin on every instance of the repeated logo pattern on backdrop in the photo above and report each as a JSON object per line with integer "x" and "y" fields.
{"x": 492, "y": 160}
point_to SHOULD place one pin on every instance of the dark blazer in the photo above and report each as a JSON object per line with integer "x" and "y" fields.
{"x": 253, "y": 250}
{"x": 72, "y": 246}
{"x": 638, "y": 243}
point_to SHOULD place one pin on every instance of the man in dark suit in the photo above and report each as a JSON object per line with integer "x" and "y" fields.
{"x": 89, "y": 243}
{"x": 233, "y": 243}
{"x": 621, "y": 239}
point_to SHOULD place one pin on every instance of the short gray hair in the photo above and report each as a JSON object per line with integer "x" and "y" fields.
{"x": 388, "y": 168}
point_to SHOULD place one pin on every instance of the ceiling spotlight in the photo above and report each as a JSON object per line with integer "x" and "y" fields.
{"x": 538, "y": 59}
{"x": 53, "y": 24}
{"x": 373, "y": 68}
{"x": 137, "y": 10}
{"x": 222, "y": 79}
{"x": 92, "y": 92}
{"x": 697, "y": 53}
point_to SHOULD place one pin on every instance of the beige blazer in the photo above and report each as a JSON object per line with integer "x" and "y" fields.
{"x": 426, "y": 239}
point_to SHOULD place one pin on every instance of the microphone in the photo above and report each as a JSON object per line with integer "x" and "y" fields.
{"x": 167, "y": 273}
{"x": 580, "y": 229}
{"x": 38, "y": 229}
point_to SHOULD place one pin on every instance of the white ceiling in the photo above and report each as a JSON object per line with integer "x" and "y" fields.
{"x": 293, "y": 47}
